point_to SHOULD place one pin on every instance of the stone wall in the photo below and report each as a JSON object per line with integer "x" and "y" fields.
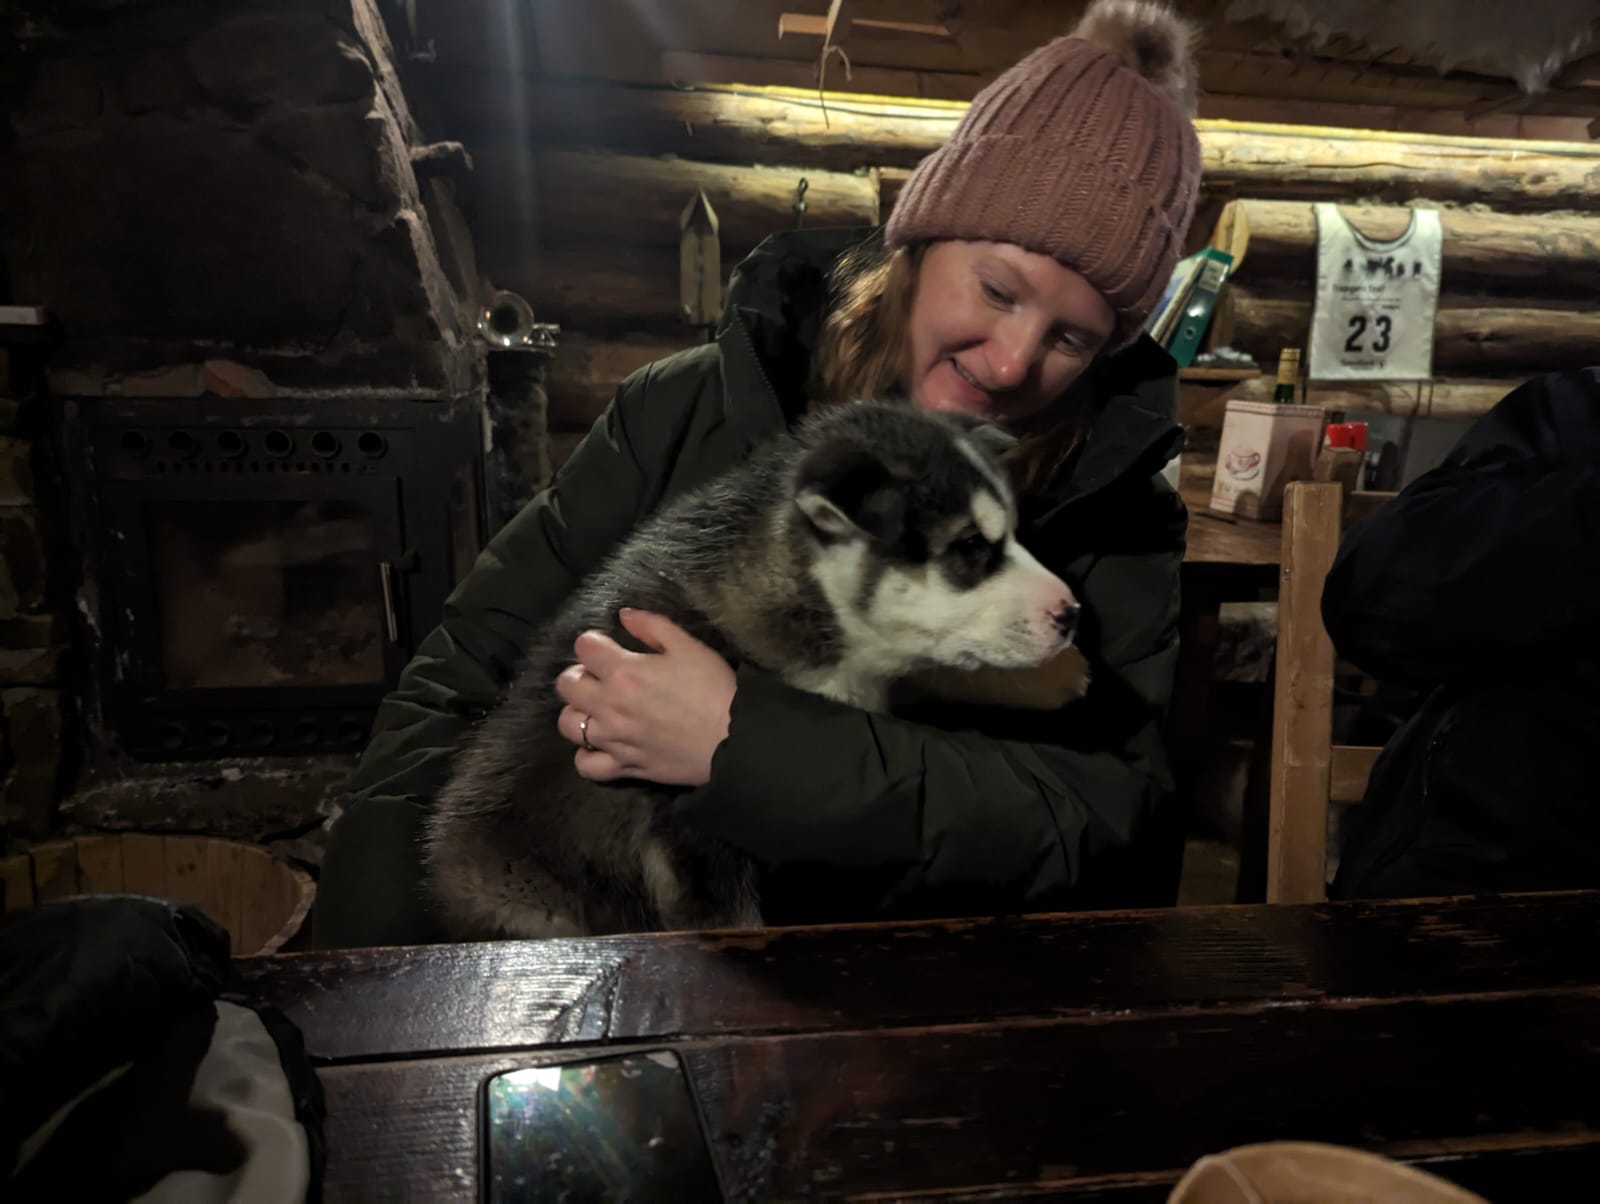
{"x": 216, "y": 199}
{"x": 35, "y": 708}
{"x": 221, "y": 197}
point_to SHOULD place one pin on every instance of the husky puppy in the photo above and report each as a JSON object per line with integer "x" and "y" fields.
{"x": 869, "y": 543}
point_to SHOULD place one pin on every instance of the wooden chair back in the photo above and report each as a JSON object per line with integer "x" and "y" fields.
{"x": 1310, "y": 773}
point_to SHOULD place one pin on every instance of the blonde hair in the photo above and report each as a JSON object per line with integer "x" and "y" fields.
{"x": 864, "y": 345}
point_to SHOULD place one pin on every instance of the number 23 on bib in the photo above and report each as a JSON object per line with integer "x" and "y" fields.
{"x": 1376, "y": 301}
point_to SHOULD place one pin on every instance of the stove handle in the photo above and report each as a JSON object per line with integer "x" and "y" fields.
{"x": 406, "y": 563}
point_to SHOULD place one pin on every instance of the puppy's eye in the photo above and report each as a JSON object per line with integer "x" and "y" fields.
{"x": 973, "y": 544}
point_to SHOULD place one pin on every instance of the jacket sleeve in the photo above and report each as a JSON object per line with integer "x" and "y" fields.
{"x": 988, "y": 802}
{"x": 1484, "y": 561}
{"x": 370, "y": 891}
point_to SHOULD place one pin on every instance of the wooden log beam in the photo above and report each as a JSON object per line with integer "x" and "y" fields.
{"x": 584, "y": 373}
{"x": 711, "y": 124}
{"x": 603, "y": 288}
{"x": 1269, "y": 74}
{"x": 1537, "y": 253}
{"x": 618, "y": 309}
{"x": 681, "y": 67}
{"x": 1579, "y": 71}
{"x": 1394, "y": 116}
{"x": 1463, "y": 398}
{"x": 1310, "y": 163}
{"x": 1470, "y": 337}
{"x": 844, "y": 15}
{"x": 637, "y": 200}
{"x": 751, "y": 124}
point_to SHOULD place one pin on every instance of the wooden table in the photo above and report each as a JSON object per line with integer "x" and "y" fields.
{"x": 1221, "y": 539}
{"x": 1227, "y": 560}
{"x": 1089, "y": 1058}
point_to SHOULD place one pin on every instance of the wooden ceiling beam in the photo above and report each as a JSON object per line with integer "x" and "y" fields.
{"x": 841, "y": 16}
{"x": 1495, "y": 104}
{"x": 1578, "y": 71}
{"x": 1344, "y": 81}
{"x": 841, "y": 19}
{"x": 830, "y": 26}
{"x": 1264, "y": 78}
{"x": 682, "y": 67}
{"x": 690, "y": 40}
{"x": 702, "y": 123}
{"x": 812, "y": 25}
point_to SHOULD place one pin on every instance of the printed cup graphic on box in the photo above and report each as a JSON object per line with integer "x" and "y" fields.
{"x": 1264, "y": 446}
{"x": 1243, "y": 464}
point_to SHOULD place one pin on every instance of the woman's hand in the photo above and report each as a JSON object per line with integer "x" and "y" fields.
{"x": 657, "y": 716}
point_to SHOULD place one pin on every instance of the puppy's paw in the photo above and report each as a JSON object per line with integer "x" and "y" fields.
{"x": 1047, "y": 687}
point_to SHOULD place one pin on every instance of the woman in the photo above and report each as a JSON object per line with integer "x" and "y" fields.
{"x": 1011, "y": 281}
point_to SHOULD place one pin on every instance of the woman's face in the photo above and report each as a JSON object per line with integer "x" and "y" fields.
{"x": 999, "y": 332}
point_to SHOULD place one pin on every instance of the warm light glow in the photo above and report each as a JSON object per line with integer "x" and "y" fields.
{"x": 548, "y": 1077}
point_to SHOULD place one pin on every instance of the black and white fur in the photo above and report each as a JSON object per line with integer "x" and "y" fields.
{"x": 871, "y": 542}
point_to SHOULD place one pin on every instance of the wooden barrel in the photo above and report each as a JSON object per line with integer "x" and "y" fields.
{"x": 260, "y": 899}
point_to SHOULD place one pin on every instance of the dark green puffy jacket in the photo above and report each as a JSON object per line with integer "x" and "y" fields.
{"x": 946, "y": 810}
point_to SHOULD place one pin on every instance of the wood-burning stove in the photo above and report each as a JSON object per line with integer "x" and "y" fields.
{"x": 258, "y": 572}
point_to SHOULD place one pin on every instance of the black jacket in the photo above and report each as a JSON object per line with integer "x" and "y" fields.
{"x": 1477, "y": 585}
{"x": 954, "y": 810}
{"x": 128, "y": 1067}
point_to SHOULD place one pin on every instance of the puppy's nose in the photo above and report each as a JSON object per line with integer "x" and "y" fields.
{"x": 1066, "y": 618}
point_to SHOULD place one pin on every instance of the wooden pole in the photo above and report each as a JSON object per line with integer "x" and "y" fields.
{"x": 1302, "y": 709}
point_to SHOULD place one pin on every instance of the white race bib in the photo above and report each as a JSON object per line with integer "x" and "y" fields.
{"x": 1376, "y": 301}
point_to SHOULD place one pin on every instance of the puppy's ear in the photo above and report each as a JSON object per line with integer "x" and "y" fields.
{"x": 846, "y": 492}
{"x": 989, "y": 436}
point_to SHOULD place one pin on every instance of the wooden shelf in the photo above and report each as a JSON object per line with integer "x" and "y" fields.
{"x": 1218, "y": 376}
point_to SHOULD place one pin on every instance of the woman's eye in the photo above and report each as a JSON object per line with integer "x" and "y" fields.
{"x": 995, "y": 295}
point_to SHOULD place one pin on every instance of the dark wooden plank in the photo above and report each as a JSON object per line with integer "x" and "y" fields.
{"x": 1349, "y": 771}
{"x": 1074, "y": 1102}
{"x": 376, "y": 1002}
{"x": 1562, "y": 1171}
{"x": 1302, "y": 707}
{"x": 1557, "y": 1172}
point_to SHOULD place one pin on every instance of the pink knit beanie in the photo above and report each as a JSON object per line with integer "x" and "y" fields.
{"x": 1084, "y": 151}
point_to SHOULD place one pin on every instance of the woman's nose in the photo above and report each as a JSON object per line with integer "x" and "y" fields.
{"x": 1011, "y": 354}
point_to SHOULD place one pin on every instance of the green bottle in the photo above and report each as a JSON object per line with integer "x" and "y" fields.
{"x": 1288, "y": 376}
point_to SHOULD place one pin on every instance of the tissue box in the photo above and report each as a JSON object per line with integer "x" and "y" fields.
{"x": 1265, "y": 445}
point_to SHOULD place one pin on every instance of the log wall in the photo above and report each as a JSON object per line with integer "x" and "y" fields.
{"x": 579, "y": 185}
{"x": 1517, "y": 294}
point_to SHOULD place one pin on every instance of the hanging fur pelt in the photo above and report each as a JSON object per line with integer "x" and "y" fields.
{"x": 1529, "y": 43}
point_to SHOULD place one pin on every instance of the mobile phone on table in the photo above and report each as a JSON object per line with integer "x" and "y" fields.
{"x": 621, "y": 1127}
